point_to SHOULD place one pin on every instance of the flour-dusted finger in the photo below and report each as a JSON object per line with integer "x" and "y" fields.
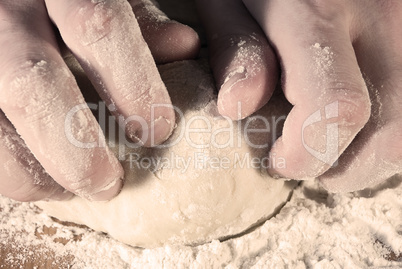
{"x": 321, "y": 78}
{"x": 376, "y": 154}
{"x": 22, "y": 178}
{"x": 167, "y": 39}
{"x": 243, "y": 63}
{"x": 39, "y": 95}
{"x": 106, "y": 39}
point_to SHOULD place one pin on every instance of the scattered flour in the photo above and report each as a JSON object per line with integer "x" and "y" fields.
{"x": 323, "y": 59}
{"x": 314, "y": 230}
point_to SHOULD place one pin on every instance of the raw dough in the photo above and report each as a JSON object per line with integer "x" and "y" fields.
{"x": 165, "y": 205}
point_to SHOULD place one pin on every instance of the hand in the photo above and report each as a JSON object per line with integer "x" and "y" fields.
{"x": 38, "y": 92}
{"x": 341, "y": 68}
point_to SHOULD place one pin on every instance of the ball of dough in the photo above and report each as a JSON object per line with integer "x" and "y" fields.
{"x": 209, "y": 183}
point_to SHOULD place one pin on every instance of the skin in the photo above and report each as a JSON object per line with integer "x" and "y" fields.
{"x": 37, "y": 91}
{"x": 362, "y": 39}
{"x": 343, "y": 56}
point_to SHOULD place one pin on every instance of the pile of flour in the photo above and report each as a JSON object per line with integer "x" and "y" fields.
{"x": 313, "y": 230}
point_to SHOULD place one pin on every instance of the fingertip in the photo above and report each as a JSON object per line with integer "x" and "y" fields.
{"x": 172, "y": 41}
{"x": 229, "y": 99}
{"x": 245, "y": 90}
{"x": 168, "y": 40}
{"x": 108, "y": 192}
{"x": 299, "y": 170}
{"x": 294, "y": 163}
{"x": 238, "y": 97}
{"x": 189, "y": 43}
{"x": 315, "y": 136}
{"x": 109, "y": 179}
{"x": 343, "y": 179}
{"x": 153, "y": 133}
{"x": 332, "y": 186}
{"x": 160, "y": 130}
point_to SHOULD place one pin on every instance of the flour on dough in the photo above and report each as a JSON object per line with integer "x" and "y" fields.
{"x": 168, "y": 203}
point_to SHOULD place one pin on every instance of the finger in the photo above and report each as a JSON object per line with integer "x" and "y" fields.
{"x": 376, "y": 154}
{"x": 243, "y": 63}
{"x": 41, "y": 98}
{"x": 22, "y": 177}
{"x": 106, "y": 39}
{"x": 321, "y": 79}
{"x": 168, "y": 40}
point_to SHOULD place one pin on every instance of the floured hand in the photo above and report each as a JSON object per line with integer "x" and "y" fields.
{"x": 43, "y": 110}
{"x": 340, "y": 63}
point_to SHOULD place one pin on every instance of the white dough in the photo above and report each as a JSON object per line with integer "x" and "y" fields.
{"x": 173, "y": 206}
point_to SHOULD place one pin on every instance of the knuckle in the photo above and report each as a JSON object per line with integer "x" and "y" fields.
{"x": 26, "y": 88}
{"x": 354, "y": 109}
{"x": 17, "y": 84}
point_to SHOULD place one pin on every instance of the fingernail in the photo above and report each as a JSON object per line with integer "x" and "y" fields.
{"x": 234, "y": 77}
{"x": 153, "y": 134}
{"x": 108, "y": 192}
{"x": 228, "y": 99}
{"x": 159, "y": 131}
